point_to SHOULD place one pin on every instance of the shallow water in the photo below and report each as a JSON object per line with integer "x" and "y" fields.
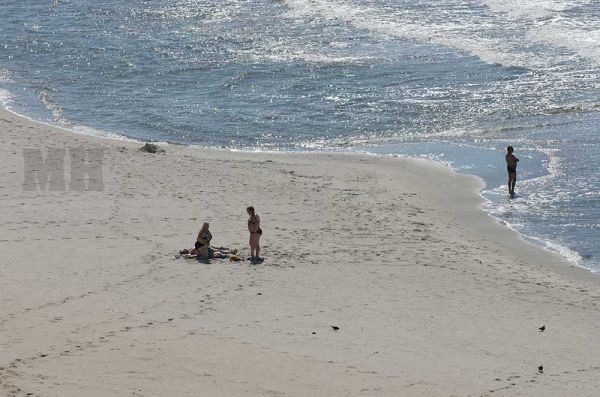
{"x": 452, "y": 80}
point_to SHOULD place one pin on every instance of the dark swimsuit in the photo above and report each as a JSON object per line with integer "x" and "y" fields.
{"x": 259, "y": 229}
{"x": 199, "y": 245}
{"x": 511, "y": 169}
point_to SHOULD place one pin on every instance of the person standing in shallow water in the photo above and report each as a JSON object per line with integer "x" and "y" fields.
{"x": 255, "y": 233}
{"x": 511, "y": 167}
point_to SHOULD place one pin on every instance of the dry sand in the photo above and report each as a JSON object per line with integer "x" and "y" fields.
{"x": 432, "y": 296}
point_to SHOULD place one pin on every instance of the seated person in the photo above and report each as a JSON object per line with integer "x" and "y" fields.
{"x": 202, "y": 242}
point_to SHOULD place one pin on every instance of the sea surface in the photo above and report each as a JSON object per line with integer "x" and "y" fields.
{"x": 452, "y": 80}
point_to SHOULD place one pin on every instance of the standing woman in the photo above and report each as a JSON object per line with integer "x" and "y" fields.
{"x": 255, "y": 233}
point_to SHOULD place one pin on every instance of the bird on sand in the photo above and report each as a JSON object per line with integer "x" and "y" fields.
{"x": 541, "y": 369}
{"x": 335, "y": 328}
{"x": 542, "y": 328}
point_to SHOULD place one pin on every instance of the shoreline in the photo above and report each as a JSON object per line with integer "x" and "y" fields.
{"x": 533, "y": 240}
{"x": 431, "y": 295}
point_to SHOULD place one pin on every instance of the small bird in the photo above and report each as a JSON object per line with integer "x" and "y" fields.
{"x": 542, "y": 328}
{"x": 541, "y": 369}
{"x": 335, "y": 328}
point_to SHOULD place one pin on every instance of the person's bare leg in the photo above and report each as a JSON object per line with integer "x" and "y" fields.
{"x": 512, "y": 179}
{"x": 254, "y": 247}
{"x": 257, "y": 245}
{"x": 203, "y": 251}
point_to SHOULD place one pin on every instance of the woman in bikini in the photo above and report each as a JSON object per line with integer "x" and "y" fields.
{"x": 202, "y": 242}
{"x": 255, "y": 233}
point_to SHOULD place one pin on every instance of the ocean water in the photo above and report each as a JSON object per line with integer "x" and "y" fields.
{"x": 456, "y": 81}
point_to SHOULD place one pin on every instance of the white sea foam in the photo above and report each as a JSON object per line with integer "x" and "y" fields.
{"x": 285, "y": 55}
{"x": 4, "y": 75}
{"x": 567, "y": 253}
{"x": 84, "y": 130}
{"x": 449, "y": 32}
{"x": 554, "y": 167}
{"x": 495, "y": 42}
{"x": 45, "y": 96}
{"x": 531, "y": 9}
{"x": 5, "y": 97}
{"x": 59, "y": 117}
{"x": 581, "y": 40}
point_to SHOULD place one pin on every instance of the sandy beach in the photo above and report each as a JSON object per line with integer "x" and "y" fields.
{"x": 432, "y": 296}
